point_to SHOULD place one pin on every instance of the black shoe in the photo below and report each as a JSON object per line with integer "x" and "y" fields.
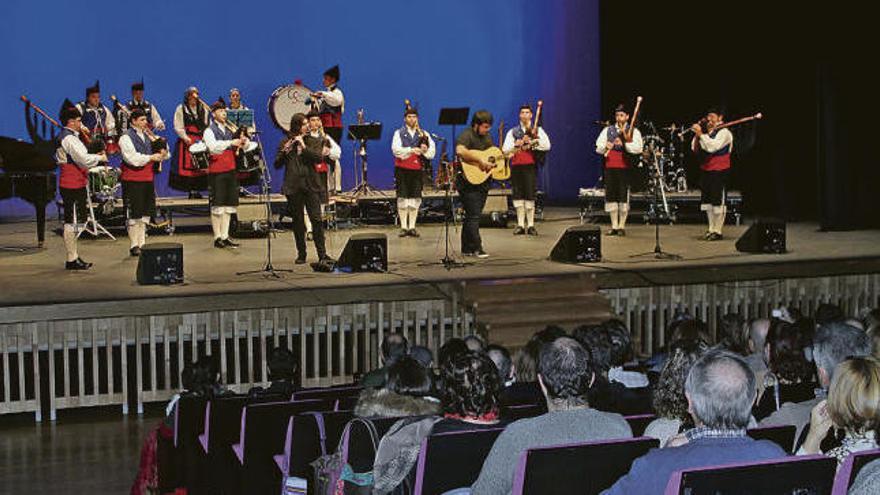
{"x": 612, "y": 232}
{"x": 403, "y": 233}
{"x": 481, "y": 254}
{"x": 468, "y": 253}
{"x": 77, "y": 264}
{"x": 300, "y": 260}
{"x": 707, "y": 235}
{"x": 413, "y": 233}
{"x": 219, "y": 244}
{"x": 135, "y": 251}
{"x": 326, "y": 260}
{"x": 228, "y": 243}
{"x": 195, "y": 195}
{"x": 532, "y": 231}
{"x": 621, "y": 232}
{"x": 519, "y": 230}
{"x": 714, "y": 236}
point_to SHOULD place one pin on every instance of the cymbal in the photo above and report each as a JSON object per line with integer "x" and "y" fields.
{"x": 671, "y": 127}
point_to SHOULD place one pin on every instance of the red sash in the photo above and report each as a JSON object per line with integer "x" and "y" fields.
{"x": 715, "y": 163}
{"x": 522, "y": 158}
{"x": 411, "y": 162}
{"x": 224, "y": 162}
{"x": 615, "y": 159}
{"x": 73, "y": 177}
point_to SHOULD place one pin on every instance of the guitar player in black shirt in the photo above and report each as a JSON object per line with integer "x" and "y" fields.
{"x": 473, "y": 196}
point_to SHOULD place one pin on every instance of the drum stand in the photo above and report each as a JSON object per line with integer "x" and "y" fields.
{"x": 266, "y": 192}
{"x": 92, "y": 226}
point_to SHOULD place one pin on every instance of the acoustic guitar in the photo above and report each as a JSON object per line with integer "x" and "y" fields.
{"x": 501, "y": 171}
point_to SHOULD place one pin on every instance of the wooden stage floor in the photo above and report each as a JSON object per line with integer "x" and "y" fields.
{"x": 36, "y": 277}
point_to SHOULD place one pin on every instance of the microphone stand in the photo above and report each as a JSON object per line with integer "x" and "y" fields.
{"x": 266, "y": 191}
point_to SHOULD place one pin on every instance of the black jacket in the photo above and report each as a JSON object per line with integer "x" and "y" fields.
{"x": 299, "y": 168}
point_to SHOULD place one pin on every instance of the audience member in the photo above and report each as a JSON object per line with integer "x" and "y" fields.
{"x": 868, "y": 480}
{"x": 621, "y": 355}
{"x": 407, "y": 392}
{"x": 394, "y": 346}
{"x": 758, "y": 329}
{"x": 828, "y": 313}
{"x": 474, "y": 343}
{"x": 512, "y": 392}
{"x": 283, "y": 374}
{"x": 526, "y": 360}
{"x": 565, "y": 375}
{"x": 423, "y": 355}
{"x": 470, "y": 393}
{"x": 853, "y": 406}
{"x": 833, "y": 343}
{"x": 733, "y": 334}
{"x": 452, "y": 348}
{"x": 720, "y": 388}
{"x": 670, "y": 403}
{"x": 870, "y": 319}
{"x": 790, "y": 376}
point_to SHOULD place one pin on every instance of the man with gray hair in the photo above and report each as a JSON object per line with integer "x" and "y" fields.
{"x": 565, "y": 375}
{"x": 833, "y": 344}
{"x": 720, "y": 389}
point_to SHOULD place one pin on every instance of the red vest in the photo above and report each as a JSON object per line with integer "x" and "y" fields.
{"x": 615, "y": 159}
{"x": 73, "y": 177}
{"x": 224, "y": 162}
{"x": 715, "y": 163}
{"x": 137, "y": 174}
{"x": 522, "y": 158}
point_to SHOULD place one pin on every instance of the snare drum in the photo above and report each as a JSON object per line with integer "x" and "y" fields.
{"x": 103, "y": 181}
{"x": 201, "y": 157}
{"x": 249, "y": 159}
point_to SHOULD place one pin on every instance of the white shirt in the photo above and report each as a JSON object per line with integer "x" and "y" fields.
{"x": 109, "y": 124}
{"x": 335, "y": 151}
{"x": 629, "y": 379}
{"x": 215, "y": 146}
{"x": 130, "y": 155}
{"x": 399, "y": 151}
{"x": 179, "y": 122}
{"x": 158, "y": 123}
{"x": 634, "y": 147}
{"x": 334, "y": 98}
{"x": 510, "y": 141}
{"x": 71, "y": 145}
{"x": 710, "y": 145}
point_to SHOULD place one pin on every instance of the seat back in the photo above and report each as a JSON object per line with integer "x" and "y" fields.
{"x": 638, "y": 423}
{"x": 521, "y": 411}
{"x": 803, "y": 474}
{"x": 850, "y": 468}
{"x": 452, "y": 460}
{"x": 589, "y": 466}
{"x": 782, "y": 435}
{"x": 361, "y": 451}
{"x": 262, "y": 436}
{"x": 189, "y": 414}
{"x": 328, "y": 392}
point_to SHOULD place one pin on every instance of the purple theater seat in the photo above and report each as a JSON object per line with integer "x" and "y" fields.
{"x": 850, "y": 469}
{"x": 452, "y": 460}
{"x": 812, "y": 474}
{"x": 780, "y": 435}
{"x": 589, "y": 466}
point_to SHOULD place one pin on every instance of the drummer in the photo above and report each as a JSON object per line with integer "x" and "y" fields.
{"x": 331, "y": 161}
{"x": 222, "y": 180}
{"x": 138, "y": 191}
{"x": 331, "y": 104}
{"x": 190, "y": 121}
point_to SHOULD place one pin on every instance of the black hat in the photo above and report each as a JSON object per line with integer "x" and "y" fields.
{"x": 621, "y": 108}
{"x": 217, "y": 105}
{"x": 716, "y": 109}
{"x": 333, "y": 72}
{"x": 138, "y": 113}
{"x": 313, "y": 113}
{"x": 93, "y": 89}
{"x": 68, "y": 111}
{"x": 410, "y": 109}
{"x": 138, "y": 86}
{"x": 525, "y": 106}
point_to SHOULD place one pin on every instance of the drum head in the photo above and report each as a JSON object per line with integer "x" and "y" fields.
{"x": 197, "y": 147}
{"x": 251, "y": 146}
{"x": 99, "y": 170}
{"x": 287, "y": 101}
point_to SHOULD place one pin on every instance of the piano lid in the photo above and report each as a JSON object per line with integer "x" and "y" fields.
{"x": 20, "y": 156}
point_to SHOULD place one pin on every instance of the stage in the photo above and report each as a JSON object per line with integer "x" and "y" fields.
{"x": 36, "y": 277}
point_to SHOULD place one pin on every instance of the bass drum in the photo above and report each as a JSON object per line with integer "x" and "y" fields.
{"x": 287, "y": 101}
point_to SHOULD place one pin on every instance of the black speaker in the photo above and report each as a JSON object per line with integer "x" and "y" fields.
{"x": 160, "y": 263}
{"x": 580, "y": 244}
{"x": 364, "y": 253}
{"x": 763, "y": 236}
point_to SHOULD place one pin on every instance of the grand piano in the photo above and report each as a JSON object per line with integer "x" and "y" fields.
{"x": 27, "y": 170}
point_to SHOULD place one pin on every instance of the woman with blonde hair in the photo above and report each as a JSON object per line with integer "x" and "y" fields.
{"x": 853, "y": 405}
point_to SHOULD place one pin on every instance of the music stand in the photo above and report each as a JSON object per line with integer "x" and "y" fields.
{"x": 454, "y": 117}
{"x": 371, "y": 131}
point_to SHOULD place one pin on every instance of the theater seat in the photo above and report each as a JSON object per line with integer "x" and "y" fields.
{"x": 452, "y": 460}
{"x": 803, "y": 474}
{"x": 850, "y": 468}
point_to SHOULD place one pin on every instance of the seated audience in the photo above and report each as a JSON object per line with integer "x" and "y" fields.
{"x": 833, "y": 343}
{"x": 474, "y": 343}
{"x": 526, "y": 360}
{"x": 758, "y": 329}
{"x": 790, "y": 376}
{"x": 565, "y": 376}
{"x": 283, "y": 374}
{"x": 423, "y": 355}
{"x": 828, "y": 313}
{"x": 407, "y": 392}
{"x": 720, "y": 388}
{"x": 621, "y": 355}
{"x": 853, "y": 406}
{"x": 512, "y": 391}
{"x": 452, "y": 348}
{"x": 670, "y": 403}
{"x": 870, "y": 319}
{"x": 470, "y": 393}
{"x": 733, "y": 334}
{"x": 868, "y": 480}
{"x": 394, "y": 346}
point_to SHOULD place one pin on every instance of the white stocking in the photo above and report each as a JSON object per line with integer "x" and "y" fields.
{"x": 520, "y": 207}
{"x": 530, "y": 213}
{"x": 133, "y": 234}
{"x": 402, "y": 213}
{"x": 413, "y": 208}
{"x": 70, "y": 242}
{"x": 217, "y": 221}
{"x": 142, "y": 233}
{"x": 622, "y": 213}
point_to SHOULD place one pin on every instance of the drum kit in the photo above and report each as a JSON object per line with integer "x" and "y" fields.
{"x": 662, "y": 158}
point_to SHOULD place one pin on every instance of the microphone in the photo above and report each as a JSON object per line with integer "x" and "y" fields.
{"x": 439, "y": 138}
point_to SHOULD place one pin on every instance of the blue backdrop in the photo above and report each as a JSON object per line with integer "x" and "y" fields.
{"x": 492, "y": 54}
